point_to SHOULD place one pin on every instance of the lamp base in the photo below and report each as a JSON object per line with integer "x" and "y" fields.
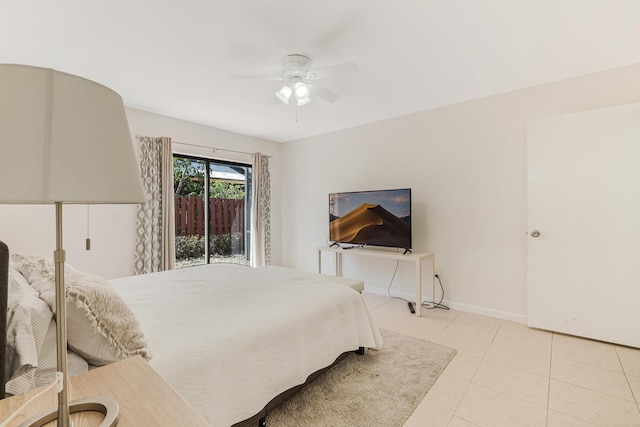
{"x": 106, "y": 406}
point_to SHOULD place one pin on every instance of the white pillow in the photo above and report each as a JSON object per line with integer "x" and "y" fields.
{"x": 100, "y": 326}
{"x": 85, "y": 341}
{"x": 28, "y": 320}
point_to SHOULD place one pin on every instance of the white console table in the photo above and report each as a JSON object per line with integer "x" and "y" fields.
{"x": 416, "y": 258}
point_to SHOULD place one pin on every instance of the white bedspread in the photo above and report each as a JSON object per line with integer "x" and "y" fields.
{"x": 230, "y": 338}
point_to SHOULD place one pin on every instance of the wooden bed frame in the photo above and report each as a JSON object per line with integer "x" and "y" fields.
{"x": 259, "y": 418}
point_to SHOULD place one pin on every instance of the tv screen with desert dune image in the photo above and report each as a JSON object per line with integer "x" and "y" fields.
{"x": 375, "y": 218}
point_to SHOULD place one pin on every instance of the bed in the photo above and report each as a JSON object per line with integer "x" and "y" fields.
{"x": 234, "y": 341}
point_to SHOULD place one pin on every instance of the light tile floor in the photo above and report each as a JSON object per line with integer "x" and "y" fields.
{"x": 507, "y": 374}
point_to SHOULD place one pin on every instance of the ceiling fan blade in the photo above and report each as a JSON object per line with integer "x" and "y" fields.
{"x": 335, "y": 71}
{"x": 256, "y": 76}
{"x": 325, "y": 93}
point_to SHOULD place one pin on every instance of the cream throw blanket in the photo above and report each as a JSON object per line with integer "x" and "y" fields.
{"x": 230, "y": 338}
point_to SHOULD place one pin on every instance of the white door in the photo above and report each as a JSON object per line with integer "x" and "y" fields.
{"x": 584, "y": 200}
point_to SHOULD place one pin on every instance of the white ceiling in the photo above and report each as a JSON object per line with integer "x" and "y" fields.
{"x": 175, "y": 57}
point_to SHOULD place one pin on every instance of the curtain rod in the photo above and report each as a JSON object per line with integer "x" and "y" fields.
{"x": 209, "y": 148}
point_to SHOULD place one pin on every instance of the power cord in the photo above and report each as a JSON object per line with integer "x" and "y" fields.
{"x": 429, "y": 305}
{"x": 57, "y": 383}
{"x": 391, "y": 282}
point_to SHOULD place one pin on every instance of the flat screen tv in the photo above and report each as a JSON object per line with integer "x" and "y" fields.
{"x": 376, "y": 218}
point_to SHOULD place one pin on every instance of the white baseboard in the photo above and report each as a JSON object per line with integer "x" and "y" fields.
{"x": 467, "y": 308}
{"x": 504, "y": 315}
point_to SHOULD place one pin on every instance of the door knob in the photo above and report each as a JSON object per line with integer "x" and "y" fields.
{"x": 535, "y": 233}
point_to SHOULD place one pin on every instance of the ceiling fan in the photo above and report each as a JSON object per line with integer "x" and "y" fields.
{"x": 300, "y": 82}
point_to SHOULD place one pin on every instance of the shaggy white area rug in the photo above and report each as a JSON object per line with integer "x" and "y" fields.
{"x": 381, "y": 388}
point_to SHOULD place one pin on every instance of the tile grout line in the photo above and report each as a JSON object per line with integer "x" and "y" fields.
{"x": 493, "y": 340}
{"x": 626, "y": 377}
{"x": 466, "y": 390}
{"x": 549, "y": 377}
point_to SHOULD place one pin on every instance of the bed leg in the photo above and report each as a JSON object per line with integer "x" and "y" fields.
{"x": 360, "y": 351}
{"x": 262, "y": 422}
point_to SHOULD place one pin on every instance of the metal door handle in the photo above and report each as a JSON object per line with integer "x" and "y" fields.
{"x": 535, "y": 233}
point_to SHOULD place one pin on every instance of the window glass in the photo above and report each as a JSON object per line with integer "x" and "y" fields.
{"x": 216, "y": 231}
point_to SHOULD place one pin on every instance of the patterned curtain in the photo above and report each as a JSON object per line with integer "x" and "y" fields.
{"x": 261, "y": 212}
{"x": 155, "y": 225}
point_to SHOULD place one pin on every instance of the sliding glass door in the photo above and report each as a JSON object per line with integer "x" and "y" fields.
{"x": 212, "y": 221}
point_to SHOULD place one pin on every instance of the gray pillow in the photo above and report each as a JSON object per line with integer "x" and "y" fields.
{"x": 28, "y": 320}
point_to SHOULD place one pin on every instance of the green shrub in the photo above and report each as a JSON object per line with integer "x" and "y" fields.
{"x": 189, "y": 247}
{"x": 223, "y": 244}
{"x": 193, "y": 246}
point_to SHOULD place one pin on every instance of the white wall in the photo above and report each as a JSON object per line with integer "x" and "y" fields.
{"x": 466, "y": 165}
{"x": 31, "y": 229}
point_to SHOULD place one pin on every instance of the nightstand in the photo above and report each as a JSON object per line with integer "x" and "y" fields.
{"x": 144, "y": 398}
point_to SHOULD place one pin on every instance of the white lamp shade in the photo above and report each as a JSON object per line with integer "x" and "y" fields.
{"x": 65, "y": 139}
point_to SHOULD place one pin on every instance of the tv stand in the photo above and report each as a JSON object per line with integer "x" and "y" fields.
{"x": 416, "y": 258}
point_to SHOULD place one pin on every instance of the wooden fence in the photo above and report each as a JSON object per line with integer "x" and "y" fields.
{"x": 225, "y": 216}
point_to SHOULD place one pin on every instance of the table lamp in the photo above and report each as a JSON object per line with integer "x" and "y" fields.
{"x": 64, "y": 139}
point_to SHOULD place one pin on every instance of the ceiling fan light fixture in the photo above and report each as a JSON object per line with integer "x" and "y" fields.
{"x": 302, "y": 91}
{"x": 303, "y": 101}
{"x": 284, "y": 94}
